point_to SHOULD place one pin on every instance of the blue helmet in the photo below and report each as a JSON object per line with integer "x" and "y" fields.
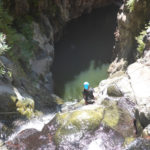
{"x": 86, "y": 85}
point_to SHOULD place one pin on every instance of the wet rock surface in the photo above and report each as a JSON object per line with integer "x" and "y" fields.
{"x": 139, "y": 144}
{"x": 80, "y": 129}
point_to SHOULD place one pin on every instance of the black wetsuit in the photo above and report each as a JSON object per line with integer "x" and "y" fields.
{"x": 88, "y": 96}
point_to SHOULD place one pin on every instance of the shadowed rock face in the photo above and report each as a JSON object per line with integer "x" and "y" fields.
{"x": 109, "y": 126}
{"x": 69, "y": 9}
{"x": 73, "y": 9}
{"x": 130, "y": 24}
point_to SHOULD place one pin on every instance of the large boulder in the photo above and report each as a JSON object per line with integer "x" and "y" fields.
{"x": 131, "y": 18}
{"x": 133, "y": 84}
{"x": 93, "y": 125}
{"x": 116, "y": 86}
{"x": 140, "y": 83}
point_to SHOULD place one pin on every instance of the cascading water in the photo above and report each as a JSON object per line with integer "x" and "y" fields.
{"x": 84, "y": 52}
{"x": 35, "y": 123}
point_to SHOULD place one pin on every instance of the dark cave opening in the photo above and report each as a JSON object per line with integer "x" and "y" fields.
{"x": 86, "y": 44}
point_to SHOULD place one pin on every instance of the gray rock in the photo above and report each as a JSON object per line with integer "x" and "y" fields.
{"x": 117, "y": 86}
{"x": 41, "y": 66}
{"x": 49, "y": 49}
{"x": 140, "y": 80}
{"x": 117, "y": 65}
{"x": 47, "y": 27}
{"x": 139, "y": 144}
{"x": 42, "y": 39}
{"x": 6, "y": 62}
{"x": 148, "y": 31}
{"x": 114, "y": 91}
{"x": 146, "y": 131}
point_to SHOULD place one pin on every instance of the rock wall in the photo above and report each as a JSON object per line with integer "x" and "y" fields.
{"x": 73, "y": 9}
{"x": 131, "y": 21}
{"x": 48, "y": 17}
{"x": 37, "y": 24}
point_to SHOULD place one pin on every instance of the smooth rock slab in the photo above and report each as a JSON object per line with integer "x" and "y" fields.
{"x": 140, "y": 82}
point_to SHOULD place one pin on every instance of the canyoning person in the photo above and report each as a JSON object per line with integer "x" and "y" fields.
{"x": 88, "y": 94}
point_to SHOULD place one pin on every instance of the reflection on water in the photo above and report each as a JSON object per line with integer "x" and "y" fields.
{"x": 73, "y": 89}
{"x": 88, "y": 38}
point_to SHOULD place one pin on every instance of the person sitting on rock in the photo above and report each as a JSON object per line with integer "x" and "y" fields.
{"x": 88, "y": 94}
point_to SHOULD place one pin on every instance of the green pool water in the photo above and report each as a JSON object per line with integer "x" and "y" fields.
{"x": 84, "y": 52}
{"x": 94, "y": 74}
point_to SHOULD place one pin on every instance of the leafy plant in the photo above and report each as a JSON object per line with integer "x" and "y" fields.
{"x": 5, "y": 71}
{"x": 139, "y": 39}
{"x": 20, "y": 40}
{"x": 130, "y": 4}
{"x": 3, "y": 46}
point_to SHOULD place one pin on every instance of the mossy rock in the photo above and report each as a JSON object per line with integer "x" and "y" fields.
{"x": 119, "y": 118}
{"x": 77, "y": 121}
{"x": 24, "y": 106}
{"x": 75, "y": 124}
{"x": 114, "y": 91}
{"x": 80, "y": 103}
{"x": 111, "y": 116}
{"x": 75, "y": 129}
{"x": 128, "y": 140}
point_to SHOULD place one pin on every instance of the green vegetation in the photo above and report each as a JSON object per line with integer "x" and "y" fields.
{"x": 23, "y": 46}
{"x": 5, "y": 71}
{"x": 3, "y": 46}
{"x": 37, "y": 7}
{"x": 130, "y": 4}
{"x": 5, "y": 25}
{"x": 20, "y": 40}
{"x": 53, "y": 9}
{"x": 128, "y": 140}
{"x": 139, "y": 39}
{"x": 24, "y": 106}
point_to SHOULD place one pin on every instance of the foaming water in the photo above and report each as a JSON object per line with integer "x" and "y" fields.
{"x": 35, "y": 123}
{"x": 73, "y": 89}
{"x": 96, "y": 145}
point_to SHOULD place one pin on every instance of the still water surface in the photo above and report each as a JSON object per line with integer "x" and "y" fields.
{"x": 84, "y": 52}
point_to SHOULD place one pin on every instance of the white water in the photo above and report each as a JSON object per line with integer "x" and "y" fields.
{"x": 96, "y": 145}
{"x": 35, "y": 123}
